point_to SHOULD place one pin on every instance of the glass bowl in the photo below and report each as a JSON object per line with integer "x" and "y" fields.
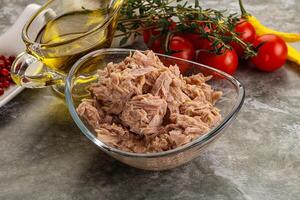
{"x": 84, "y": 73}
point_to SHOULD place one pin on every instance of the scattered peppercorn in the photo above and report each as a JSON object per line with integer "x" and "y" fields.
{"x": 5, "y": 78}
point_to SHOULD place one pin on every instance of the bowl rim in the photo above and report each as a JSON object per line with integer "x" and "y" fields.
{"x": 199, "y": 141}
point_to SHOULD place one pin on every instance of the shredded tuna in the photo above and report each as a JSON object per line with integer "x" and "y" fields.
{"x": 139, "y": 105}
{"x": 144, "y": 114}
{"x": 90, "y": 113}
{"x": 207, "y": 112}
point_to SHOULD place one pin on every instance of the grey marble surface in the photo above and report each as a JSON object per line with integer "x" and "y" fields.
{"x": 43, "y": 155}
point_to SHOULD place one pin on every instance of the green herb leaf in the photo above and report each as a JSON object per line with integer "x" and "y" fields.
{"x": 214, "y": 25}
{"x": 196, "y": 3}
{"x": 123, "y": 40}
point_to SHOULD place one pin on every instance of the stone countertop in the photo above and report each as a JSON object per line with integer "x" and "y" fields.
{"x": 43, "y": 155}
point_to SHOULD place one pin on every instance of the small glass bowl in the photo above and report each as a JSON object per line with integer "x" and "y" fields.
{"x": 84, "y": 72}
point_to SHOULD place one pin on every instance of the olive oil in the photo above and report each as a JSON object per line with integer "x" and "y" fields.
{"x": 68, "y": 37}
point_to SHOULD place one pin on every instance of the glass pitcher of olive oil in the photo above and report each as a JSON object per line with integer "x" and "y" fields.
{"x": 59, "y": 34}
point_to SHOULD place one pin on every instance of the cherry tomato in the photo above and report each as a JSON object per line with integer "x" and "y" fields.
{"x": 227, "y": 62}
{"x": 272, "y": 52}
{"x": 246, "y": 33}
{"x": 172, "y": 25}
{"x": 156, "y": 45}
{"x": 148, "y": 33}
{"x": 202, "y": 24}
{"x": 182, "y": 48}
{"x": 198, "y": 41}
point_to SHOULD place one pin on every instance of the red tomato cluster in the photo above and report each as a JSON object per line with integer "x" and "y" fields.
{"x": 5, "y": 79}
{"x": 271, "y": 49}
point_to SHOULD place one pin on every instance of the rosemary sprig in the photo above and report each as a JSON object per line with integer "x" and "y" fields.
{"x": 139, "y": 15}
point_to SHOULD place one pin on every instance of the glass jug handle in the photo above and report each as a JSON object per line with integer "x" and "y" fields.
{"x": 30, "y": 72}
